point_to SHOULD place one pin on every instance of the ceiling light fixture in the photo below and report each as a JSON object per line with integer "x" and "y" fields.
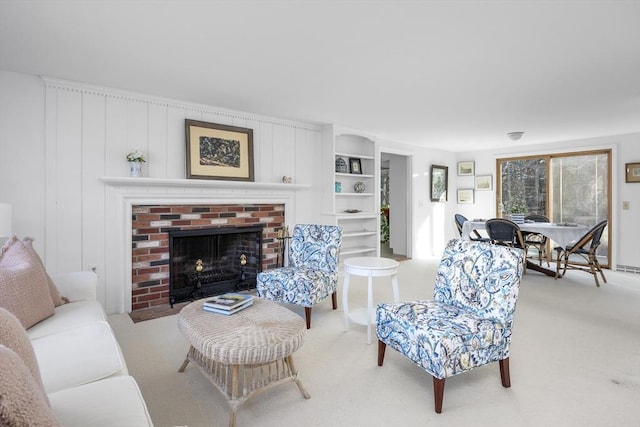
{"x": 515, "y": 136}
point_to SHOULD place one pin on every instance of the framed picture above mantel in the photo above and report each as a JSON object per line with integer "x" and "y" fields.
{"x": 216, "y": 151}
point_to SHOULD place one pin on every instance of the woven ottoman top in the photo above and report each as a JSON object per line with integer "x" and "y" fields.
{"x": 261, "y": 333}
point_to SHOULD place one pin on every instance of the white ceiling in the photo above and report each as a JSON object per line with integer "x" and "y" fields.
{"x": 454, "y": 75}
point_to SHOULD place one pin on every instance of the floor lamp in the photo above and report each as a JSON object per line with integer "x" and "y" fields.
{"x": 6, "y": 225}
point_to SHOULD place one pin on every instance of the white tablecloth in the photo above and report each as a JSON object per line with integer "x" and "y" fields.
{"x": 561, "y": 235}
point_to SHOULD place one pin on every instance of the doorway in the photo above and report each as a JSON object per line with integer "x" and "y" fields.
{"x": 395, "y": 205}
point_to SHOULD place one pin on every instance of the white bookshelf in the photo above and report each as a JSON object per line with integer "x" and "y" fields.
{"x": 360, "y": 229}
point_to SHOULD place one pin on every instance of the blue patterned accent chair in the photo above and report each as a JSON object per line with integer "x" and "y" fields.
{"x": 467, "y": 324}
{"x": 312, "y": 274}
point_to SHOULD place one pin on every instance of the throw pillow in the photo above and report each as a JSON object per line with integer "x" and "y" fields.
{"x": 55, "y": 295}
{"x": 14, "y": 337}
{"x": 22, "y": 402}
{"x": 23, "y": 285}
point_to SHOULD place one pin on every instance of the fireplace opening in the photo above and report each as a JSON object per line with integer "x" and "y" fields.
{"x": 212, "y": 261}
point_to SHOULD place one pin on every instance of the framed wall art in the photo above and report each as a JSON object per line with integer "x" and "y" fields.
{"x": 484, "y": 183}
{"x": 465, "y": 196}
{"x": 632, "y": 172}
{"x": 439, "y": 183}
{"x": 466, "y": 168}
{"x": 219, "y": 151}
{"x": 355, "y": 165}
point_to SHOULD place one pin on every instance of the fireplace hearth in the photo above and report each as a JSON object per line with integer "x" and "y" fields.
{"x": 212, "y": 261}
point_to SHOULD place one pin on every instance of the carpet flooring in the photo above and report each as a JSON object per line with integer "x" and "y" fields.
{"x": 575, "y": 361}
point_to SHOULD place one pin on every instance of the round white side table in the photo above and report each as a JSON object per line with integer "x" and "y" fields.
{"x": 369, "y": 267}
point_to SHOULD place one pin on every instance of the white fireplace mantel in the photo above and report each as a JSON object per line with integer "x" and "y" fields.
{"x": 118, "y": 181}
{"x": 122, "y": 193}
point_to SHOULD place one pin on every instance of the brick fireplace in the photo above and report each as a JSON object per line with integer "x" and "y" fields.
{"x": 150, "y": 225}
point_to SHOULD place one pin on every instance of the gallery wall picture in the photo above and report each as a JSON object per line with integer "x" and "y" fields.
{"x": 217, "y": 151}
{"x": 632, "y": 172}
{"x": 466, "y": 168}
{"x": 439, "y": 183}
{"x": 484, "y": 183}
{"x": 465, "y": 196}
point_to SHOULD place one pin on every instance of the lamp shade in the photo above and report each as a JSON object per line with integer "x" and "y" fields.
{"x": 6, "y": 227}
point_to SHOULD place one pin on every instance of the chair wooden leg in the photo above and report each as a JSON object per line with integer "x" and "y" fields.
{"x": 595, "y": 274}
{"x": 307, "y": 315}
{"x": 595, "y": 269}
{"x": 334, "y": 300}
{"x": 604, "y": 279}
{"x": 438, "y": 393}
{"x": 381, "y": 348}
{"x": 504, "y": 373}
{"x": 559, "y": 264}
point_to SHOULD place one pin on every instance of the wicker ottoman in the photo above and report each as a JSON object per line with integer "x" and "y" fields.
{"x": 244, "y": 353}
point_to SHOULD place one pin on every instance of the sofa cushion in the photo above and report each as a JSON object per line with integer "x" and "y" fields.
{"x": 22, "y": 402}
{"x": 53, "y": 290}
{"x": 78, "y": 356}
{"x": 113, "y": 401}
{"x": 14, "y": 337}
{"x": 68, "y": 316}
{"x": 23, "y": 284}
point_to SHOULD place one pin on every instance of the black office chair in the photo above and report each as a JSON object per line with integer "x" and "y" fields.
{"x": 536, "y": 240}
{"x": 474, "y": 235}
{"x": 586, "y": 248}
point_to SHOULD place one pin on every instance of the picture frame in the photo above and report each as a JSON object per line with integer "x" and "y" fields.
{"x": 355, "y": 165}
{"x": 632, "y": 172}
{"x": 216, "y": 151}
{"x": 465, "y": 195}
{"x": 466, "y": 168}
{"x": 439, "y": 183}
{"x": 484, "y": 183}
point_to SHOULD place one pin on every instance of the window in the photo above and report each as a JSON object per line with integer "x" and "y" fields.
{"x": 567, "y": 188}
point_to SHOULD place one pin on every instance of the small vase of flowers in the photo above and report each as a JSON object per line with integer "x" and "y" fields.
{"x": 135, "y": 159}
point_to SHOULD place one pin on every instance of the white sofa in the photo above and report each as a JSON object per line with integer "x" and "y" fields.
{"x": 81, "y": 365}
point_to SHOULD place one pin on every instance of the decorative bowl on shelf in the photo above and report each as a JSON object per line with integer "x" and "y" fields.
{"x": 353, "y": 210}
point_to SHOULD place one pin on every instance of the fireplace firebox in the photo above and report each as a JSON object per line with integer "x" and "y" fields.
{"x": 212, "y": 261}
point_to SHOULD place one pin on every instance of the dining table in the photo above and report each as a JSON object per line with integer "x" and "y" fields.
{"x": 562, "y": 234}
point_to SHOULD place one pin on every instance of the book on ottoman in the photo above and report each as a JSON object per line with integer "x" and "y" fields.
{"x": 228, "y": 303}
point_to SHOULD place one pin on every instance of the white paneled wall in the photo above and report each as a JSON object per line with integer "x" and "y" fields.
{"x": 89, "y": 131}
{"x": 58, "y": 138}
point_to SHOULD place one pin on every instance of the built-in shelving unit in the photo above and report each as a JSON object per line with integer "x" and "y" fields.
{"x": 356, "y": 211}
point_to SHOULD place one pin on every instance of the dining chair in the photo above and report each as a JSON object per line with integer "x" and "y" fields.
{"x": 468, "y": 322}
{"x": 536, "y": 240}
{"x": 584, "y": 249}
{"x": 474, "y": 235}
{"x": 505, "y": 232}
{"x": 312, "y": 273}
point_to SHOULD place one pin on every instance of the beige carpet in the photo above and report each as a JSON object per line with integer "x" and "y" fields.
{"x": 575, "y": 361}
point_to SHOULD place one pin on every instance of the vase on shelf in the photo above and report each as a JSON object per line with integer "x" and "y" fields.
{"x": 135, "y": 169}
